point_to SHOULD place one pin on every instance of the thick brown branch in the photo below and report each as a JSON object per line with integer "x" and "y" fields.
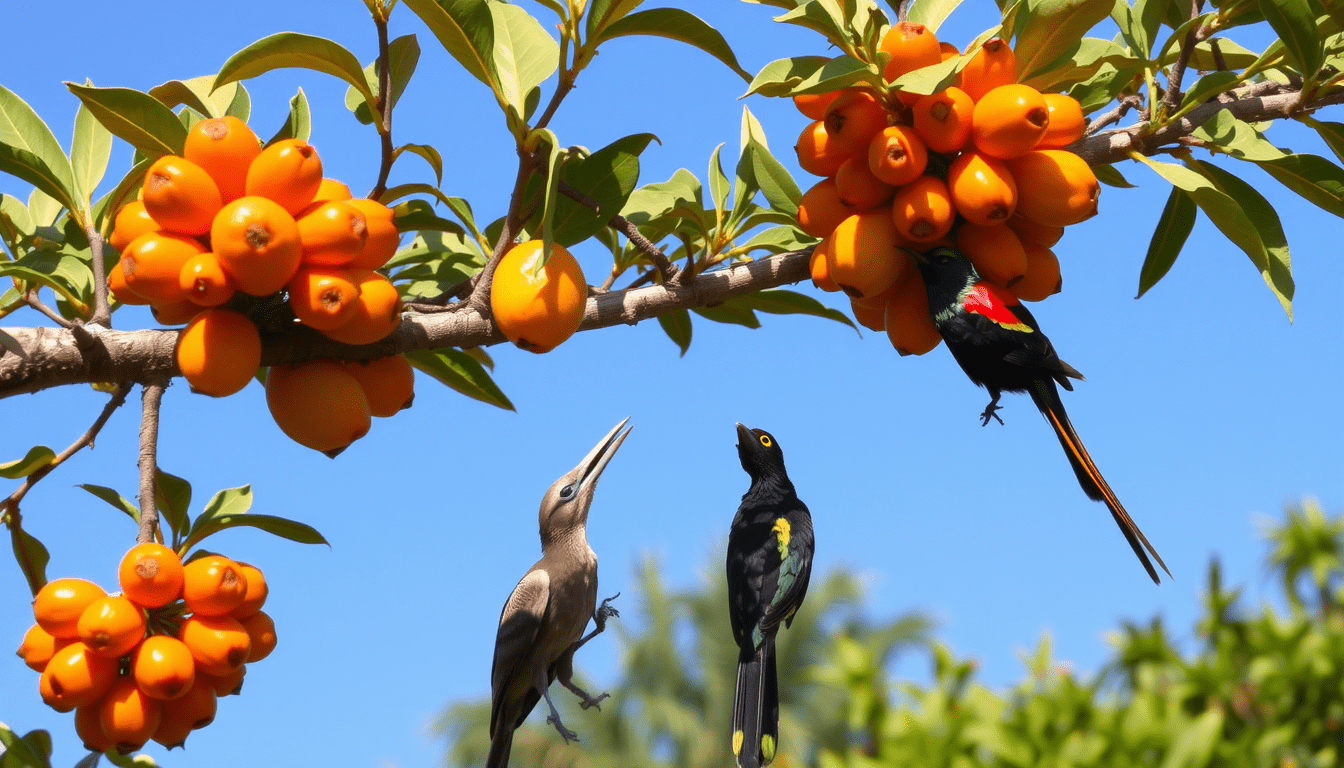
{"x": 102, "y": 312}
{"x": 151, "y": 396}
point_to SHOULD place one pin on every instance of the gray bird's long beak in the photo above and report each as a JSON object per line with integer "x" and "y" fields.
{"x": 592, "y": 465}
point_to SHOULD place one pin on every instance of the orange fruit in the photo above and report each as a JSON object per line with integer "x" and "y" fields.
{"x": 194, "y": 709}
{"x": 331, "y": 189}
{"x": 224, "y": 685}
{"x": 213, "y": 586}
{"x": 76, "y": 677}
{"x": 1067, "y": 123}
{"x": 1029, "y": 231}
{"x": 537, "y": 307}
{"x": 218, "y": 644}
{"x": 813, "y": 105}
{"x": 897, "y": 155}
{"x": 870, "y": 316}
{"x": 89, "y": 728}
{"x": 1056, "y": 187}
{"x": 256, "y": 591}
{"x": 1042, "y": 276}
{"x": 152, "y": 265}
{"x": 129, "y": 717}
{"x": 922, "y": 210}
{"x": 991, "y": 66}
{"x": 261, "y": 632}
{"x": 852, "y": 120}
{"x": 821, "y": 272}
{"x": 257, "y": 242}
{"x": 383, "y": 237}
{"x": 39, "y": 646}
{"x": 943, "y": 120}
{"x": 864, "y": 257}
{"x": 818, "y": 153}
{"x": 377, "y": 311}
{"x": 131, "y": 222}
{"x": 288, "y": 172}
{"x": 116, "y": 284}
{"x": 225, "y": 147}
{"x": 1009, "y": 121}
{"x": 174, "y": 312}
{"x": 388, "y": 382}
{"x": 322, "y": 297}
{"x": 909, "y": 328}
{"x": 912, "y": 46}
{"x": 820, "y": 209}
{"x": 332, "y": 233}
{"x": 163, "y": 667}
{"x": 204, "y": 280}
{"x": 218, "y": 352}
{"x": 111, "y": 626}
{"x": 318, "y": 405}
{"x": 994, "y": 251}
{"x": 150, "y": 575}
{"x": 948, "y": 51}
{"x": 181, "y": 196}
{"x": 858, "y": 188}
{"x": 982, "y": 188}
{"x": 58, "y": 605}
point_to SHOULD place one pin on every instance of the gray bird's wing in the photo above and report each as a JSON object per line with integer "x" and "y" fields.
{"x": 519, "y": 623}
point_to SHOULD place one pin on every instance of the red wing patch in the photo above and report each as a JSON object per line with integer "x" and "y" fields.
{"x": 994, "y": 303}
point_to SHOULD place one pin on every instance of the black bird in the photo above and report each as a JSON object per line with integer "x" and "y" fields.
{"x": 542, "y": 621}
{"x": 999, "y": 345}
{"x": 769, "y": 562}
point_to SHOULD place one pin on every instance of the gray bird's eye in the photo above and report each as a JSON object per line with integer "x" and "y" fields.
{"x": 567, "y": 491}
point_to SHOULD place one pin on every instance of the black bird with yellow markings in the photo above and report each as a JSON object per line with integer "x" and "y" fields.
{"x": 769, "y": 562}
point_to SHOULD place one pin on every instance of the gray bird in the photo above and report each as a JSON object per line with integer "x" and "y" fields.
{"x": 542, "y": 623}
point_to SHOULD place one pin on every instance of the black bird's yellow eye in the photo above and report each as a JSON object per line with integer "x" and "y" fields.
{"x": 567, "y": 491}
{"x": 766, "y": 441}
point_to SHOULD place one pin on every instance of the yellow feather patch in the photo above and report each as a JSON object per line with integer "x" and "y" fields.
{"x": 768, "y": 748}
{"x": 782, "y": 531}
{"x": 737, "y": 742}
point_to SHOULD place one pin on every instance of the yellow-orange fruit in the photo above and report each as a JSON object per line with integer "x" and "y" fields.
{"x": 818, "y": 154}
{"x": 288, "y": 172}
{"x": 152, "y": 265}
{"x": 813, "y": 105}
{"x": 225, "y": 685}
{"x": 257, "y": 242}
{"x": 538, "y": 307}
{"x": 1042, "y": 276}
{"x": 318, "y": 405}
{"x": 213, "y": 586}
{"x": 256, "y": 592}
{"x": 332, "y": 233}
{"x": 948, "y": 51}
{"x": 388, "y": 382}
{"x": 912, "y": 46}
{"x": 76, "y": 677}
{"x": 132, "y": 221}
{"x": 225, "y": 147}
{"x": 89, "y": 728}
{"x": 324, "y": 298}
{"x": 163, "y": 667}
{"x": 181, "y": 196}
{"x": 871, "y": 315}
{"x": 218, "y": 352}
{"x": 853, "y": 119}
{"x": 821, "y": 271}
{"x": 377, "y": 311}
{"x": 1055, "y": 187}
{"x": 909, "y": 328}
{"x": 111, "y": 626}
{"x": 150, "y": 575}
{"x": 383, "y": 237}
{"x": 820, "y": 209}
{"x": 218, "y": 644}
{"x": 858, "y": 188}
{"x": 995, "y": 252}
{"x": 991, "y": 66}
{"x": 897, "y": 155}
{"x": 59, "y": 604}
{"x": 116, "y": 283}
{"x": 1009, "y": 121}
{"x": 943, "y": 120}
{"x": 1067, "y": 122}
{"x": 39, "y": 646}
{"x": 922, "y": 210}
{"x": 175, "y": 312}
{"x": 261, "y": 633}
{"x": 864, "y": 257}
{"x": 982, "y": 188}
{"x": 129, "y": 717}
{"x": 194, "y": 709}
{"x": 1029, "y": 231}
{"x": 331, "y": 189}
{"x": 204, "y": 280}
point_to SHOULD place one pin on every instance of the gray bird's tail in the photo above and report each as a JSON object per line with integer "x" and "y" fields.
{"x": 756, "y": 708}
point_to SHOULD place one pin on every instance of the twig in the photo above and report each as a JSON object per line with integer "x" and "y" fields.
{"x": 480, "y": 289}
{"x": 102, "y": 310}
{"x": 384, "y": 68}
{"x": 33, "y": 301}
{"x": 1172, "y": 98}
{"x": 1132, "y": 101}
{"x": 151, "y": 397}
{"x": 627, "y": 228}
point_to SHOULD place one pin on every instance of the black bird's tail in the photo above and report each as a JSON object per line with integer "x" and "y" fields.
{"x": 756, "y": 708}
{"x": 501, "y": 742}
{"x": 1046, "y": 396}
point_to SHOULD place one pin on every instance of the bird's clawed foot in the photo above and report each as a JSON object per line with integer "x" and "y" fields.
{"x": 594, "y": 702}
{"x": 990, "y": 412}
{"x": 565, "y": 733}
{"x": 604, "y": 612}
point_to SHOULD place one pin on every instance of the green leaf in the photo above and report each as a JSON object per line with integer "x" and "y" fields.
{"x": 824, "y": 17}
{"x": 677, "y": 325}
{"x": 719, "y": 186}
{"x": 172, "y": 495}
{"x": 1079, "y": 63}
{"x": 1108, "y": 175}
{"x": 11, "y": 344}
{"x": 404, "y": 190}
{"x": 1313, "y": 177}
{"x": 731, "y": 311}
{"x": 461, "y": 372}
{"x": 19, "y": 752}
{"x": 1047, "y": 29}
{"x": 37, "y": 457}
{"x": 932, "y": 78}
{"x": 427, "y": 153}
{"x": 1234, "y": 56}
{"x": 136, "y": 117}
{"x": 278, "y": 526}
{"x": 1173, "y": 228}
{"x": 403, "y": 54}
{"x": 522, "y": 58}
{"x": 777, "y": 301}
{"x": 298, "y": 123}
{"x": 1331, "y": 133}
{"x": 1279, "y": 276}
{"x": 602, "y": 13}
{"x": 1207, "y": 87}
{"x": 931, "y": 13}
{"x": 1237, "y": 138}
{"x": 27, "y": 549}
{"x": 285, "y": 50}
{"x": 113, "y": 498}
{"x": 465, "y": 29}
{"x": 66, "y": 274}
{"x": 90, "y": 149}
{"x": 551, "y": 195}
{"x": 810, "y": 74}
{"x": 608, "y": 176}
{"x": 126, "y": 189}
{"x": 415, "y": 215}
{"x": 779, "y": 188}
{"x": 677, "y": 24}
{"x": 29, "y": 150}
{"x": 197, "y": 93}
{"x": 1295, "y": 24}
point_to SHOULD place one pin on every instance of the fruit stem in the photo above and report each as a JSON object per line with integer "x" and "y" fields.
{"x": 151, "y": 397}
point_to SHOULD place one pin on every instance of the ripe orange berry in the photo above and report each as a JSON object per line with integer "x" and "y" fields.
{"x": 181, "y": 196}
{"x": 820, "y": 209}
{"x": 1009, "y": 121}
{"x": 76, "y": 677}
{"x": 89, "y": 728}
{"x": 909, "y": 327}
{"x": 991, "y": 66}
{"x": 324, "y": 298}
{"x": 132, "y": 221}
{"x": 948, "y": 51}
{"x": 194, "y": 709}
{"x": 174, "y": 312}
{"x": 872, "y": 316}
{"x": 152, "y": 265}
{"x": 821, "y": 271}
{"x": 897, "y": 155}
{"x": 858, "y": 188}
{"x": 1056, "y": 187}
{"x": 225, "y": 147}
{"x": 912, "y": 46}
{"x": 331, "y": 189}
{"x": 1042, "y": 276}
{"x": 58, "y": 605}
{"x": 1029, "y": 231}
{"x": 288, "y": 172}
{"x": 261, "y": 632}
{"x": 1067, "y": 123}
{"x": 818, "y": 153}
{"x": 852, "y": 120}
{"x": 116, "y": 283}
{"x": 112, "y": 626}
{"x": 982, "y": 188}
{"x": 864, "y": 257}
{"x": 377, "y": 311}
{"x": 813, "y": 105}
{"x": 39, "y": 646}
{"x": 163, "y": 667}
{"x": 943, "y": 120}
{"x": 218, "y": 644}
{"x": 204, "y": 280}
{"x": 129, "y": 717}
{"x": 218, "y": 352}
{"x": 388, "y": 382}
{"x": 256, "y": 592}
{"x": 922, "y": 210}
{"x": 538, "y": 307}
{"x": 318, "y": 405}
{"x": 995, "y": 252}
{"x": 224, "y": 685}
{"x": 383, "y": 237}
{"x": 257, "y": 242}
{"x": 332, "y": 233}
{"x": 213, "y": 586}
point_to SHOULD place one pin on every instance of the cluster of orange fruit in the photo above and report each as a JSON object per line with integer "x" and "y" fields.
{"x": 979, "y": 165}
{"x": 149, "y": 662}
{"x": 230, "y": 217}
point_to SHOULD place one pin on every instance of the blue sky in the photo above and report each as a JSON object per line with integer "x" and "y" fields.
{"x": 1204, "y": 407}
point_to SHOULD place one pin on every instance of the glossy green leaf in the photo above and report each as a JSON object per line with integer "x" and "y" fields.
{"x": 1331, "y": 133}
{"x": 607, "y": 176}
{"x": 1079, "y": 63}
{"x": 1209, "y": 86}
{"x": 461, "y": 372}
{"x": 1173, "y": 229}
{"x": 427, "y": 153}
{"x": 1047, "y": 29}
{"x": 781, "y": 238}
{"x": 286, "y": 50}
{"x": 23, "y": 752}
{"x": 677, "y": 325}
{"x": 1313, "y": 177}
{"x": 404, "y": 54}
{"x": 1111, "y": 177}
{"x": 414, "y": 215}
{"x": 1279, "y": 272}
{"x": 29, "y": 150}
{"x": 524, "y": 55}
{"x": 298, "y": 123}
{"x": 778, "y": 301}
{"x": 1295, "y": 24}
{"x": 719, "y": 186}
{"x": 112, "y": 497}
{"x": 90, "y": 149}
{"x": 172, "y": 495}
{"x": 677, "y": 24}
{"x": 603, "y": 13}
{"x": 1238, "y": 138}
{"x": 1148, "y": 16}
{"x": 135, "y": 117}
{"x": 406, "y": 190}
{"x": 809, "y": 74}
{"x": 465, "y": 29}
{"x": 932, "y": 78}
{"x": 44, "y": 209}
{"x": 37, "y": 457}
{"x": 731, "y": 311}
{"x": 10, "y": 344}
{"x": 197, "y": 94}
{"x": 931, "y": 13}
{"x": 277, "y": 526}
{"x": 1234, "y": 56}
{"x": 774, "y": 180}
{"x": 824, "y": 17}
{"x": 65, "y": 274}
{"x": 126, "y": 189}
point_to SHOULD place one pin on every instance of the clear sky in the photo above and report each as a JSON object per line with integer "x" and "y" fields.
{"x": 1204, "y": 406}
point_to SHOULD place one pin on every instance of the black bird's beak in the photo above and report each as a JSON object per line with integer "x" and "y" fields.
{"x": 918, "y": 256}
{"x": 596, "y": 460}
{"x": 744, "y": 435}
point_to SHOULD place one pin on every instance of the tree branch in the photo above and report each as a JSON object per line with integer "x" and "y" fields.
{"x": 626, "y": 227}
{"x": 384, "y": 69}
{"x": 102, "y": 311}
{"x": 151, "y": 397}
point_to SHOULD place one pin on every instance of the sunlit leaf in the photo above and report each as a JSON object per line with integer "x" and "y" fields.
{"x": 29, "y": 150}
{"x": 778, "y": 301}
{"x": 298, "y": 123}
{"x": 278, "y": 526}
{"x": 135, "y": 117}
{"x": 461, "y": 372}
{"x": 112, "y": 497}
{"x": 677, "y": 24}
{"x": 1111, "y": 177}
{"x": 524, "y": 55}
{"x": 1047, "y": 29}
{"x": 1262, "y": 215}
{"x": 172, "y": 495}
{"x": 1173, "y": 228}
{"x": 427, "y": 153}
{"x": 1295, "y": 24}
{"x": 465, "y": 29}
{"x": 607, "y": 176}
{"x": 90, "y": 149}
{"x": 731, "y": 311}
{"x": 931, "y": 13}
{"x": 285, "y": 50}
{"x": 37, "y": 457}
{"x": 1313, "y": 177}
{"x": 677, "y": 325}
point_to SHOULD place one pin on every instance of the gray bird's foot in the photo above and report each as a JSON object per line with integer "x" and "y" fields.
{"x": 604, "y": 612}
{"x": 593, "y": 702}
{"x": 990, "y": 412}
{"x": 565, "y": 733}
